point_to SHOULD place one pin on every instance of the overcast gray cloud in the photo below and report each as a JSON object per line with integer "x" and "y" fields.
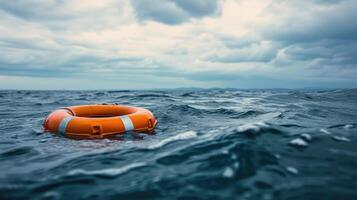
{"x": 176, "y": 43}
{"x": 175, "y": 11}
{"x": 34, "y": 9}
{"x": 323, "y": 35}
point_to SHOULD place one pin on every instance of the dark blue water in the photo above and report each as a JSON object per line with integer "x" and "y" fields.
{"x": 209, "y": 144}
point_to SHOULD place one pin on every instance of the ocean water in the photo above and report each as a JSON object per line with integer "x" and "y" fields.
{"x": 209, "y": 144}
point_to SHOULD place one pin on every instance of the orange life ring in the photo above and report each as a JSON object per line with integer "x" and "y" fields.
{"x": 99, "y": 121}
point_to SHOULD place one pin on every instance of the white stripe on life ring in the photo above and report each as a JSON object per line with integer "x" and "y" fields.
{"x": 63, "y": 125}
{"x": 128, "y": 124}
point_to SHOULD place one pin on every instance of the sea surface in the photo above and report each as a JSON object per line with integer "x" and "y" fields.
{"x": 209, "y": 144}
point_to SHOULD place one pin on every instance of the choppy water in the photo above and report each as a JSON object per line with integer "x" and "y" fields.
{"x": 209, "y": 144}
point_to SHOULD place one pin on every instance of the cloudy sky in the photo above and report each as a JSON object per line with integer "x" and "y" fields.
{"x": 141, "y": 44}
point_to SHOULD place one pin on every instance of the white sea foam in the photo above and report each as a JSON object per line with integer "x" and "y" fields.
{"x": 298, "y": 142}
{"x": 325, "y": 131}
{"x": 348, "y": 126}
{"x": 180, "y": 136}
{"x": 306, "y": 137}
{"x": 228, "y": 172}
{"x": 269, "y": 116}
{"x": 341, "y": 138}
{"x": 292, "y": 170}
{"x": 256, "y": 127}
{"x": 106, "y": 172}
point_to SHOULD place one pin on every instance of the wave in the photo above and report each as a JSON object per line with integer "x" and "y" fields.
{"x": 224, "y": 111}
{"x": 345, "y": 126}
{"x": 189, "y": 94}
{"x": 249, "y": 113}
{"x": 183, "y": 109}
{"x": 118, "y": 91}
{"x": 153, "y": 96}
{"x": 209, "y": 144}
{"x": 19, "y": 152}
{"x": 181, "y": 136}
{"x": 254, "y": 129}
{"x": 109, "y": 172}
